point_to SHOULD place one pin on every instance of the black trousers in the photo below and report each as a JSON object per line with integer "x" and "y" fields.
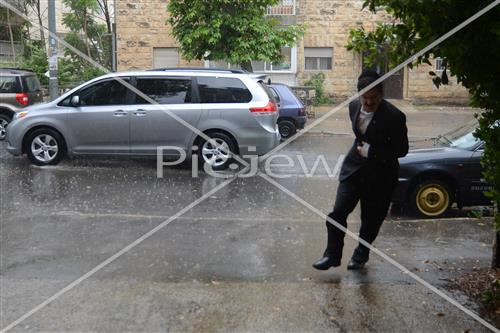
{"x": 373, "y": 190}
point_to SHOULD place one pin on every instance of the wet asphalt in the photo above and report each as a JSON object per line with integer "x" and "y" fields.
{"x": 240, "y": 261}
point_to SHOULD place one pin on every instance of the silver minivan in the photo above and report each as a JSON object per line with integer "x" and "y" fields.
{"x": 105, "y": 117}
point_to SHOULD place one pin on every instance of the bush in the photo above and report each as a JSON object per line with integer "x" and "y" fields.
{"x": 317, "y": 81}
{"x": 35, "y": 59}
{"x": 69, "y": 72}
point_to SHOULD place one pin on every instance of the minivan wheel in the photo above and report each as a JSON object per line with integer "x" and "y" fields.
{"x": 431, "y": 198}
{"x": 4, "y": 122}
{"x": 287, "y": 128}
{"x": 216, "y": 152}
{"x": 45, "y": 147}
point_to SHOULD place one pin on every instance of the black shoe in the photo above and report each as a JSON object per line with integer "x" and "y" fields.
{"x": 355, "y": 265}
{"x": 325, "y": 263}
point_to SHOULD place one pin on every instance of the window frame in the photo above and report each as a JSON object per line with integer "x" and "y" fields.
{"x": 194, "y": 88}
{"x": 165, "y": 47}
{"x": 318, "y": 59}
{"x": 292, "y": 70}
{"x": 18, "y": 84}
{"x": 231, "y": 78}
{"x": 436, "y": 61}
{"x": 35, "y": 80}
{"x": 128, "y": 97}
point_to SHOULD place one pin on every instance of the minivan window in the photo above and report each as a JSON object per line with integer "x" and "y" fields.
{"x": 164, "y": 90}
{"x": 110, "y": 92}
{"x": 223, "y": 90}
{"x": 9, "y": 84}
{"x": 32, "y": 83}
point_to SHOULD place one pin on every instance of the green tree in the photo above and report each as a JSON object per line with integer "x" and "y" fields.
{"x": 35, "y": 58}
{"x": 88, "y": 35}
{"x": 234, "y": 31}
{"x": 469, "y": 55}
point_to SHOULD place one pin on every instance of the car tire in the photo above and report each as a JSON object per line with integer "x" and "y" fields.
{"x": 4, "y": 122}
{"x": 45, "y": 146}
{"x": 431, "y": 198}
{"x": 286, "y": 128}
{"x": 217, "y": 154}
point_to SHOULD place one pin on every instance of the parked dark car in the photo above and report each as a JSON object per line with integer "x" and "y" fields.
{"x": 292, "y": 113}
{"x": 18, "y": 89}
{"x": 431, "y": 179}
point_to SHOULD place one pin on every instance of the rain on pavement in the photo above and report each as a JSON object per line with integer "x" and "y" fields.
{"x": 239, "y": 261}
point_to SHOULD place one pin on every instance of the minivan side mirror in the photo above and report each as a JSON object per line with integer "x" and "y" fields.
{"x": 75, "y": 100}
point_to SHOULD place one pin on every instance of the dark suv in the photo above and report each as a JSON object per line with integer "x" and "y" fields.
{"x": 18, "y": 89}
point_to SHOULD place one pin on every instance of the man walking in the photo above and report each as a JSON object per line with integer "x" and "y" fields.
{"x": 369, "y": 172}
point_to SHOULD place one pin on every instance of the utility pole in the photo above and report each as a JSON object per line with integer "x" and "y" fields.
{"x": 53, "y": 84}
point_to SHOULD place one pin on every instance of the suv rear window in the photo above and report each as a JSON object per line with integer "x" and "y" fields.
{"x": 223, "y": 90}
{"x": 9, "y": 84}
{"x": 32, "y": 83}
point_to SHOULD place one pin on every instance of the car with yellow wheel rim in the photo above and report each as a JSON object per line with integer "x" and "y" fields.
{"x": 432, "y": 179}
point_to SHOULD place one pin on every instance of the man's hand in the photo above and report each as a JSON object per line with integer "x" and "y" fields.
{"x": 363, "y": 149}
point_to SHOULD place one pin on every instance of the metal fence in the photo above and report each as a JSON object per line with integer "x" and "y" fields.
{"x": 284, "y": 8}
{"x": 6, "y": 49}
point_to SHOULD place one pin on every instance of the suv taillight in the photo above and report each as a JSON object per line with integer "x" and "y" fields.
{"x": 302, "y": 112}
{"x": 270, "y": 107}
{"x": 22, "y": 99}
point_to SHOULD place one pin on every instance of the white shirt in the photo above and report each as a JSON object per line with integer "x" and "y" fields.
{"x": 364, "y": 120}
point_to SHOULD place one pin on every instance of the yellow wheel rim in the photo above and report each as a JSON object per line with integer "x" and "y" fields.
{"x": 432, "y": 199}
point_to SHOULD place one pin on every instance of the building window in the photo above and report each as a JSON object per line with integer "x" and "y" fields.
{"x": 284, "y": 7}
{"x": 318, "y": 58}
{"x": 439, "y": 64}
{"x": 165, "y": 57}
{"x": 287, "y": 65}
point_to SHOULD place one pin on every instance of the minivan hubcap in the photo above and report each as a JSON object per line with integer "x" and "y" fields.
{"x": 3, "y": 127}
{"x": 44, "y": 148}
{"x": 215, "y": 152}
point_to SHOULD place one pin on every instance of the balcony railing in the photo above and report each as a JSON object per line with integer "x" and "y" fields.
{"x": 6, "y": 51}
{"x": 284, "y": 8}
{"x": 15, "y": 3}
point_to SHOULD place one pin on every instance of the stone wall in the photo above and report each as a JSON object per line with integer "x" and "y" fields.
{"x": 141, "y": 25}
{"x": 421, "y": 89}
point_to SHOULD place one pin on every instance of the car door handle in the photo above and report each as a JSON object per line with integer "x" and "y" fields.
{"x": 120, "y": 113}
{"x": 140, "y": 113}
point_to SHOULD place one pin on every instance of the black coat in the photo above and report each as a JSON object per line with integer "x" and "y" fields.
{"x": 388, "y": 138}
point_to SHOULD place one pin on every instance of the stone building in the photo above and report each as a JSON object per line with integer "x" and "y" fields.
{"x": 144, "y": 41}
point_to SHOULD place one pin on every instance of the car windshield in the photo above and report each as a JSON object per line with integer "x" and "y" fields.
{"x": 462, "y": 137}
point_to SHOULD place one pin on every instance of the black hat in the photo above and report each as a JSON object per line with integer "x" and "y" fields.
{"x": 369, "y": 73}
{"x": 366, "y": 78}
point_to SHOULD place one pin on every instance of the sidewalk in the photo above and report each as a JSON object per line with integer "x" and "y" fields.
{"x": 423, "y": 121}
